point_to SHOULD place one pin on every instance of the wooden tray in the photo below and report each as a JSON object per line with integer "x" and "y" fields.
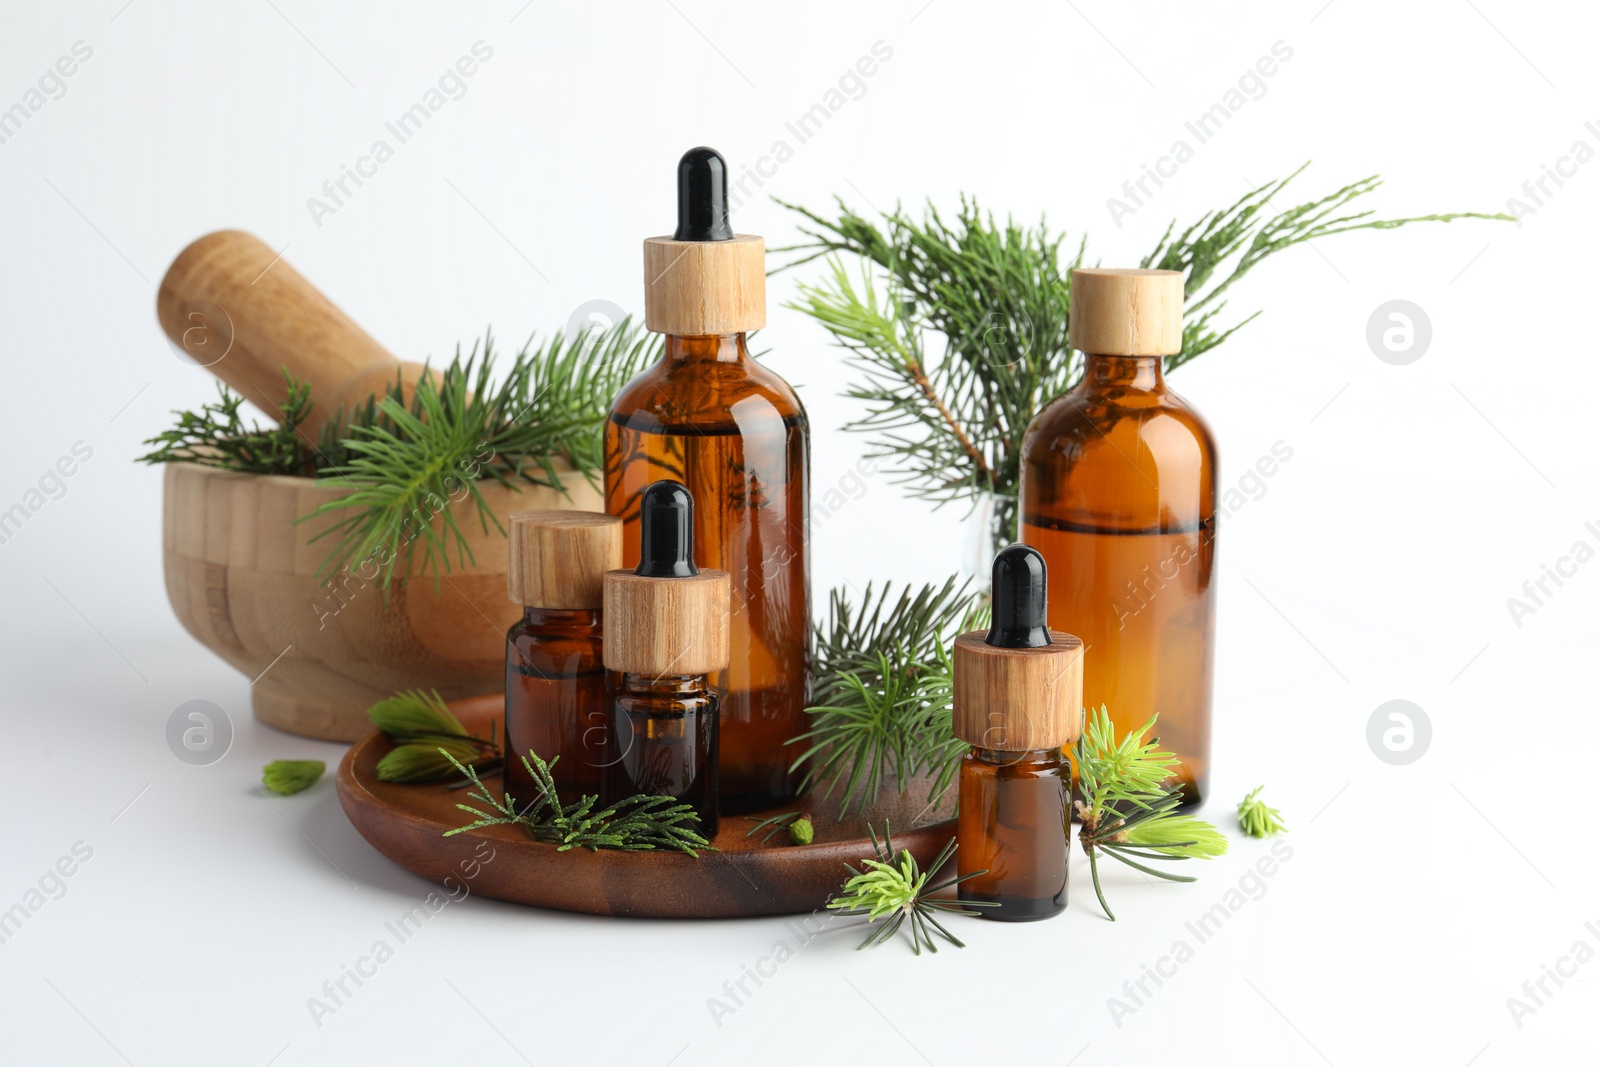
{"x": 745, "y": 877}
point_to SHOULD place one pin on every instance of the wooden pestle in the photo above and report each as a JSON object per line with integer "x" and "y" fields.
{"x": 234, "y": 306}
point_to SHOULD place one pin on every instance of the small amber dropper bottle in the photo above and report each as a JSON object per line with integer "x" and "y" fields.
{"x": 712, "y": 417}
{"x": 1119, "y": 493}
{"x": 558, "y": 697}
{"x": 1017, "y": 699}
{"x": 666, "y": 629}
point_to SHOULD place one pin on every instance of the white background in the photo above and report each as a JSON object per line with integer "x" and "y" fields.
{"x": 1376, "y": 565}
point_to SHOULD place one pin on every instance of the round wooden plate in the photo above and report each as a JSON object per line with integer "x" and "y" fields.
{"x": 744, "y": 877}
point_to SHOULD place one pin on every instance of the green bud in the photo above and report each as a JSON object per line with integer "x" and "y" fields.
{"x": 287, "y": 777}
{"x": 801, "y": 832}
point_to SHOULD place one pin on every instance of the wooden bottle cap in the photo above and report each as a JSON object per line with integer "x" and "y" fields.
{"x": 1017, "y": 699}
{"x": 558, "y": 559}
{"x": 701, "y": 288}
{"x": 660, "y": 626}
{"x": 1126, "y": 312}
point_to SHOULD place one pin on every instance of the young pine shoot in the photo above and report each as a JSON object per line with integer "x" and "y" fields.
{"x": 1129, "y": 808}
{"x": 1258, "y": 820}
{"x": 896, "y": 889}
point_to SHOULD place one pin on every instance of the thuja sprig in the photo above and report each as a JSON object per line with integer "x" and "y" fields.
{"x": 216, "y": 436}
{"x": 1129, "y": 808}
{"x": 896, "y": 889}
{"x": 1256, "y": 819}
{"x": 428, "y": 739}
{"x": 638, "y": 824}
{"x": 880, "y": 711}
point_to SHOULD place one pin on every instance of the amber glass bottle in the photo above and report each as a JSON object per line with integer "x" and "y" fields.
{"x": 558, "y": 695}
{"x": 666, "y": 630}
{"x": 1119, "y": 494}
{"x": 665, "y": 729}
{"x": 1012, "y": 825}
{"x": 1017, "y": 698}
{"x": 734, "y": 433}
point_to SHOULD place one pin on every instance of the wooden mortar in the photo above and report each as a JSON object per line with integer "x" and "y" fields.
{"x": 242, "y": 575}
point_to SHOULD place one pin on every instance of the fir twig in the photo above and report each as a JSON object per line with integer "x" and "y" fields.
{"x": 410, "y": 467}
{"x": 949, "y": 422}
{"x": 409, "y": 464}
{"x": 881, "y": 693}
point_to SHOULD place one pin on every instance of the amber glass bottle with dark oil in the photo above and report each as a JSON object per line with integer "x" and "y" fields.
{"x": 666, "y": 630}
{"x": 711, "y": 417}
{"x": 1119, "y": 494}
{"x": 558, "y": 694}
{"x": 1017, "y": 699}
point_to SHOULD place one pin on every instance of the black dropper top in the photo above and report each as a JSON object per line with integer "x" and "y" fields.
{"x": 703, "y": 197}
{"x": 666, "y": 531}
{"x": 1017, "y": 593}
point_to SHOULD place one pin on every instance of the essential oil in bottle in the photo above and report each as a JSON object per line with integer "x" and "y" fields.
{"x": 558, "y": 697}
{"x": 666, "y": 630}
{"x": 1119, "y": 494}
{"x": 711, "y": 417}
{"x": 1017, "y": 698}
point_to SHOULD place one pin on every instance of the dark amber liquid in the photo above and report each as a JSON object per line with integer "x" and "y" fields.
{"x": 1013, "y": 823}
{"x": 1118, "y": 495}
{"x": 664, "y": 743}
{"x": 558, "y": 702}
{"x": 734, "y": 433}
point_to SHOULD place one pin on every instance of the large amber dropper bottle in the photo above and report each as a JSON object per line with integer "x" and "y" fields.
{"x": 1119, "y": 496}
{"x": 734, "y": 433}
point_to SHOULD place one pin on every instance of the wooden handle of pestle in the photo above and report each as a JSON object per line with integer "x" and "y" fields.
{"x": 234, "y": 306}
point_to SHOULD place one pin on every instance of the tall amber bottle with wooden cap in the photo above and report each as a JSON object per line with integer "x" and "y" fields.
{"x": 1017, "y": 699}
{"x": 558, "y": 697}
{"x": 1119, "y": 494}
{"x": 666, "y": 630}
{"x": 734, "y": 433}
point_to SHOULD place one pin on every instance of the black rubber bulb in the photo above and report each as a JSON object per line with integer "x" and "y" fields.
{"x": 666, "y": 531}
{"x": 703, "y": 197}
{"x": 1018, "y": 602}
